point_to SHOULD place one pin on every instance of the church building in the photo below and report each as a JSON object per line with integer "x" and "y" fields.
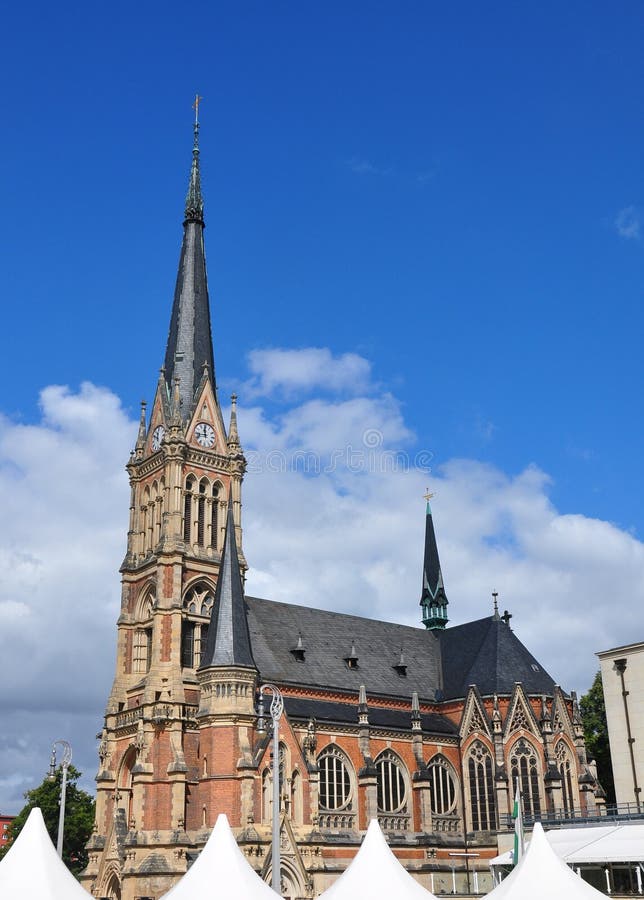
{"x": 427, "y": 728}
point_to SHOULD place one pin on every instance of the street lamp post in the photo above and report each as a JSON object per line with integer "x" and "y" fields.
{"x": 276, "y": 710}
{"x": 65, "y": 763}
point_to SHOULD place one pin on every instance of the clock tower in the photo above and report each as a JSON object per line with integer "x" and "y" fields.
{"x": 185, "y": 474}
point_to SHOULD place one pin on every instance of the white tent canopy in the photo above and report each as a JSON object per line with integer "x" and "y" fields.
{"x": 376, "y": 873}
{"x": 541, "y": 873}
{"x": 592, "y": 844}
{"x": 221, "y": 870}
{"x": 32, "y": 870}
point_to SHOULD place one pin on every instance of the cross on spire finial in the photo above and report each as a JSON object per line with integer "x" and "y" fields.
{"x": 428, "y": 495}
{"x": 195, "y": 106}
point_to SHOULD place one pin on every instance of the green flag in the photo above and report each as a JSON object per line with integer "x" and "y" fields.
{"x": 517, "y": 815}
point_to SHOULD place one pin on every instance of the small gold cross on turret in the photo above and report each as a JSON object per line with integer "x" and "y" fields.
{"x": 428, "y": 495}
{"x": 195, "y": 106}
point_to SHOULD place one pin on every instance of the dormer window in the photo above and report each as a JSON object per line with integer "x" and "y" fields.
{"x": 401, "y": 665}
{"x": 352, "y": 659}
{"x": 298, "y": 650}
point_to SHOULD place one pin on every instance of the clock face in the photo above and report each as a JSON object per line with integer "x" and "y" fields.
{"x": 157, "y": 437}
{"x": 205, "y": 434}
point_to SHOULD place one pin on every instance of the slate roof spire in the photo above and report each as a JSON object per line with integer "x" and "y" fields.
{"x": 228, "y": 641}
{"x": 189, "y": 344}
{"x": 433, "y": 598}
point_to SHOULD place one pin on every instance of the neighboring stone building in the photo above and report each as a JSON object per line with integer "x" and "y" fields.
{"x": 623, "y": 680}
{"x": 426, "y": 729}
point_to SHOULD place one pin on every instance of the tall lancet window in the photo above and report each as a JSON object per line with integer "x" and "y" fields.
{"x": 564, "y": 765}
{"x": 524, "y": 767}
{"x": 481, "y": 784}
{"x": 187, "y": 508}
{"x": 214, "y": 517}
{"x": 201, "y": 512}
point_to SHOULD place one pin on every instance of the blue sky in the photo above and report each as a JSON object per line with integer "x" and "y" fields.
{"x": 435, "y": 186}
{"x": 449, "y": 193}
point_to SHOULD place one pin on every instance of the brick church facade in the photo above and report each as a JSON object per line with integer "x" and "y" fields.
{"x": 425, "y": 728}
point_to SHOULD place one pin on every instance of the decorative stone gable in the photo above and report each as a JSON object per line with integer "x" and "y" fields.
{"x": 520, "y": 715}
{"x": 475, "y": 718}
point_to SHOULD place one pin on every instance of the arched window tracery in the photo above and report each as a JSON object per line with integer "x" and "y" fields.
{"x": 480, "y": 775}
{"x": 442, "y": 786}
{"x": 391, "y": 783}
{"x": 142, "y": 636}
{"x": 525, "y": 768}
{"x": 335, "y": 780}
{"x": 201, "y": 523}
{"x": 197, "y": 606}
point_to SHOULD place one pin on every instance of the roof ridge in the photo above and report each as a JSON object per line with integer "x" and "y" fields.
{"x": 333, "y": 612}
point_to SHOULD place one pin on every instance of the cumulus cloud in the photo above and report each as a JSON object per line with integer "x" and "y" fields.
{"x": 294, "y": 372}
{"x": 64, "y": 497}
{"x": 345, "y": 534}
{"x": 627, "y": 223}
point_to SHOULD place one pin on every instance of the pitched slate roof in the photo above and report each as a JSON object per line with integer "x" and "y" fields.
{"x": 326, "y": 640}
{"x": 228, "y": 642}
{"x": 189, "y": 343}
{"x": 487, "y": 653}
{"x": 334, "y": 713}
{"x": 438, "y": 665}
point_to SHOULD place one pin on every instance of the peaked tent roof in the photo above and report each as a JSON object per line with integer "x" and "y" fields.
{"x": 190, "y": 339}
{"x": 228, "y": 641}
{"x": 488, "y": 654}
{"x": 541, "y": 874}
{"x": 32, "y": 870}
{"x": 221, "y": 870}
{"x": 376, "y": 873}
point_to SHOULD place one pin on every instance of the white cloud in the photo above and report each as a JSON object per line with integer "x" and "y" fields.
{"x": 64, "y": 496}
{"x": 347, "y": 536}
{"x": 294, "y": 372}
{"x": 627, "y": 223}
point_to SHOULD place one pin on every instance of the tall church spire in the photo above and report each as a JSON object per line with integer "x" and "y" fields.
{"x": 228, "y": 636}
{"x": 433, "y": 598}
{"x": 190, "y": 340}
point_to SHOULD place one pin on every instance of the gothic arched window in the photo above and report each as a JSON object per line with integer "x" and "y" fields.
{"x": 524, "y": 767}
{"x": 145, "y": 520}
{"x": 564, "y": 765}
{"x": 335, "y": 780}
{"x": 442, "y": 788}
{"x": 201, "y": 512}
{"x": 481, "y": 785}
{"x": 297, "y": 800}
{"x": 267, "y": 796}
{"x": 187, "y": 508}
{"x": 197, "y": 605}
{"x": 201, "y": 521}
{"x": 391, "y": 784}
{"x": 214, "y": 517}
{"x": 142, "y": 637}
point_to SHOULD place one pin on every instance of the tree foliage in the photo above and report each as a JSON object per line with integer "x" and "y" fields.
{"x": 79, "y": 817}
{"x": 593, "y": 715}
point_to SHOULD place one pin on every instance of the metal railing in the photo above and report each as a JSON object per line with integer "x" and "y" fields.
{"x": 616, "y": 812}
